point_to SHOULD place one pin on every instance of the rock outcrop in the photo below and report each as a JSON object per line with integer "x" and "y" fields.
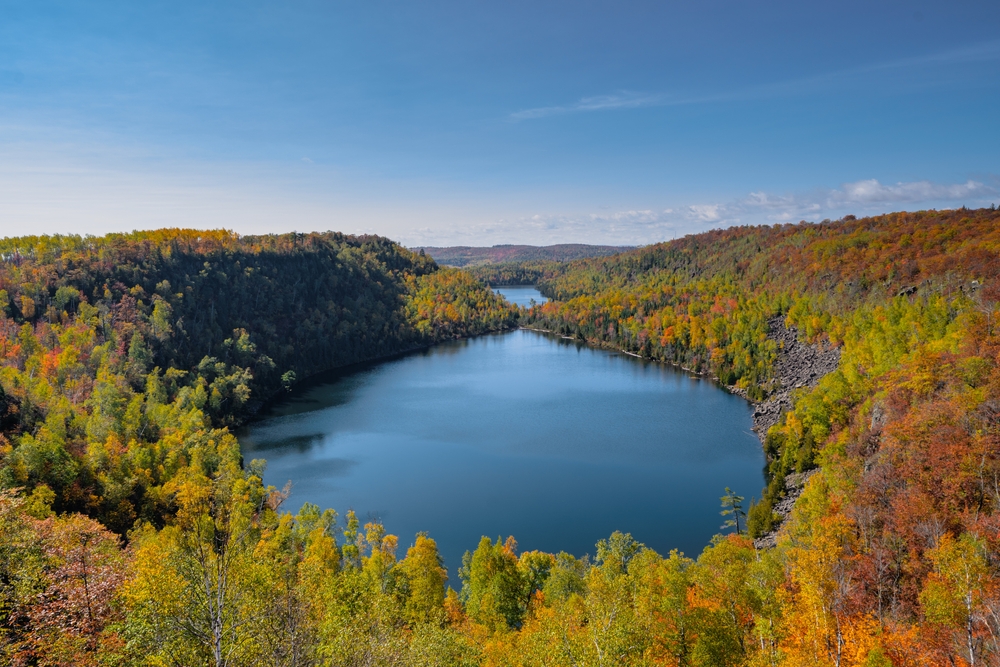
{"x": 798, "y": 365}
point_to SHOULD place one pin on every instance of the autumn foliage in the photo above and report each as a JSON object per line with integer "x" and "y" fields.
{"x": 132, "y": 532}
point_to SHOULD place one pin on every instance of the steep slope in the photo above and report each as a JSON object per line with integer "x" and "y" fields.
{"x": 872, "y": 348}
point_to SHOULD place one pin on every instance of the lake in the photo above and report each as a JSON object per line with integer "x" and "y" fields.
{"x": 521, "y": 295}
{"x": 519, "y": 433}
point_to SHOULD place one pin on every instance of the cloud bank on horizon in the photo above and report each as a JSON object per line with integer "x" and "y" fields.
{"x": 454, "y": 123}
{"x": 640, "y": 227}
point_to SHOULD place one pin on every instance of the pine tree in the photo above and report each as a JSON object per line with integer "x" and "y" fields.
{"x": 732, "y": 505}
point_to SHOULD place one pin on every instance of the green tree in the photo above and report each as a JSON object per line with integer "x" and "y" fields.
{"x": 493, "y": 588}
{"x": 616, "y": 634}
{"x": 732, "y": 506}
{"x": 664, "y": 603}
{"x": 21, "y": 568}
{"x": 567, "y": 577}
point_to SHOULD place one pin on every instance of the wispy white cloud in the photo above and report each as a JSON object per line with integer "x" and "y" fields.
{"x": 979, "y": 52}
{"x": 705, "y": 212}
{"x": 623, "y": 100}
{"x": 626, "y": 227}
{"x": 825, "y": 82}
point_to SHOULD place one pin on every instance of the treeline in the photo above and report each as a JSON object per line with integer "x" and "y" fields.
{"x": 309, "y": 302}
{"x": 703, "y": 301}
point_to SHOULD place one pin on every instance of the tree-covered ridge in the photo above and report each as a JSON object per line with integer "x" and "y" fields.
{"x": 308, "y": 302}
{"x": 703, "y": 301}
{"x": 515, "y": 273}
{"x": 450, "y": 303}
{"x": 123, "y": 358}
{"x": 847, "y": 261}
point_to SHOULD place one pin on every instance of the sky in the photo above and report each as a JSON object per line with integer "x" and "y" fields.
{"x": 476, "y": 123}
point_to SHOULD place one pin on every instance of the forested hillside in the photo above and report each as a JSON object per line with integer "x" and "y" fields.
{"x": 117, "y": 342}
{"x": 516, "y": 273}
{"x": 131, "y": 531}
{"x": 308, "y": 302}
{"x": 893, "y": 549}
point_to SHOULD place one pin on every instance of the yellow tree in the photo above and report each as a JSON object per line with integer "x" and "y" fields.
{"x": 197, "y": 594}
{"x": 362, "y": 619}
{"x": 821, "y": 628}
{"x": 614, "y": 630}
{"x": 425, "y": 577}
{"x": 954, "y": 592}
{"x": 664, "y": 603}
{"x": 724, "y": 598}
{"x": 299, "y": 553}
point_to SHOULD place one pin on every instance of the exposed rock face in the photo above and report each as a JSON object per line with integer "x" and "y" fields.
{"x": 799, "y": 365}
{"x": 795, "y": 483}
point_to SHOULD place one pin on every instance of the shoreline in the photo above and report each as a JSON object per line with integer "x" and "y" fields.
{"x": 327, "y": 374}
{"x": 798, "y": 365}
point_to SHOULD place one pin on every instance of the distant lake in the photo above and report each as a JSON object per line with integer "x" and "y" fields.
{"x": 521, "y": 295}
{"x": 518, "y": 434}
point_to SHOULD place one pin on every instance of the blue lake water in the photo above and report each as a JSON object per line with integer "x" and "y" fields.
{"x": 518, "y": 434}
{"x": 521, "y": 295}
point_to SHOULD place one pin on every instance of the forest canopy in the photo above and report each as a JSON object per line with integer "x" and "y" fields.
{"x": 133, "y": 532}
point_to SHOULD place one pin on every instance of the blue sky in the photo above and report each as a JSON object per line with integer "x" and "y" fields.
{"x": 479, "y": 123}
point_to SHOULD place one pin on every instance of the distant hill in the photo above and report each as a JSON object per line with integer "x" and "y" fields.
{"x": 471, "y": 256}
